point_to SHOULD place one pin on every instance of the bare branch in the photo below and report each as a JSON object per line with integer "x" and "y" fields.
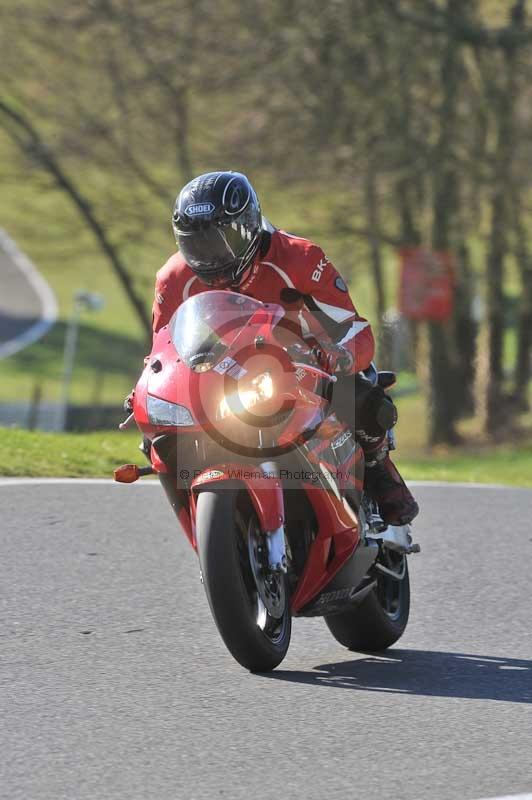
{"x": 437, "y": 20}
{"x": 33, "y": 145}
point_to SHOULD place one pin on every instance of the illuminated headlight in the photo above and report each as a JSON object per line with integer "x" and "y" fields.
{"x": 262, "y": 390}
{"x": 264, "y": 386}
{"x": 161, "y": 412}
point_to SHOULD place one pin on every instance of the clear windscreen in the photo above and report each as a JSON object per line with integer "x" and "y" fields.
{"x": 205, "y": 325}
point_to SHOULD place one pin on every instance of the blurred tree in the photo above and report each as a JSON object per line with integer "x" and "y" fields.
{"x": 26, "y": 136}
{"x": 497, "y": 50}
{"x": 408, "y": 117}
{"x": 523, "y": 252}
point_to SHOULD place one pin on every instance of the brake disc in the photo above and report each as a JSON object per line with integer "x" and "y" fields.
{"x": 270, "y": 585}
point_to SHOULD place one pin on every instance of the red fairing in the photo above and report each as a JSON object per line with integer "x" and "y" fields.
{"x": 320, "y": 303}
{"x": 266, "y": 492}
{"x": 334, "y": 522}
{"x": 236, "y": 407}
{"x": 192, "y": 414}
{"x": 186, "y": 523}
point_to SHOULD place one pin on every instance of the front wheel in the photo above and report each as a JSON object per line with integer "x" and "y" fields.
{"x": 380, "y": 620}
{"x": 249, "y": 603}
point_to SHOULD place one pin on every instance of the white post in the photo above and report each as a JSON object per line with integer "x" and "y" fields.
{"x": 69, "y": 358}
{"x": 82, "y": 300}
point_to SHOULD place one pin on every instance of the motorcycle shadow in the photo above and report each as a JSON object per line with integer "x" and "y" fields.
{"x": 425, "y": 672}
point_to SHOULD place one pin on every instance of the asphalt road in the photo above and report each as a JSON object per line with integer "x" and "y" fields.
{"x": 115, "y": 683}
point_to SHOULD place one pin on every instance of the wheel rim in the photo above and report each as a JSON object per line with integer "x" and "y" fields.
{"x": 270, "y": 585}
{"x": 266, "y": 590}
{"x": 390, "y": 590}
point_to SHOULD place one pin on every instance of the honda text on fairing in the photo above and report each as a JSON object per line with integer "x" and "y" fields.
{"x": 266, "y": 482}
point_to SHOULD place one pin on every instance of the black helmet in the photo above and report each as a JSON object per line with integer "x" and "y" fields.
{"x": 217, "y": 224}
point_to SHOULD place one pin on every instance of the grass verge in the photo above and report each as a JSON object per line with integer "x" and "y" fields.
{"x": 509, "y": 466}
{"x": 25, "y": 453}
{"x": 70, "y": 455}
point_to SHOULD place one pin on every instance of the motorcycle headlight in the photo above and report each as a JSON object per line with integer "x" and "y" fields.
{"x": 161, "y": 412}
{"x": 264, "y": 386}
{"x": 262, "y": 390}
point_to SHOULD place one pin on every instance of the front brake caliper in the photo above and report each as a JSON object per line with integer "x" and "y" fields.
{"x": 276, "y": 550}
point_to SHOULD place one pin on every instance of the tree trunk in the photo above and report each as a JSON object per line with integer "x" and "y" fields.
{"x": 465, "y": 331}
{"x": 443, "y": 377}
{"x": 33, "y": 145}
{"x": 523, "y": 372}
{"x": 410, "y": 236}
{"x": 495, "y": 315}
{"x": 375, "y": 248}
{"x": 503, "y": 104}
{"x": 409, "y": 230}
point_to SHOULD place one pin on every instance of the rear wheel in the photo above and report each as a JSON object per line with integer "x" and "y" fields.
{"x": 250, "y": 603}
{"x": 380, "y": 620}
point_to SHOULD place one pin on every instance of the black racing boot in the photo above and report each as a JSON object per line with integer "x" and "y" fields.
{"x": 384, "y": 484}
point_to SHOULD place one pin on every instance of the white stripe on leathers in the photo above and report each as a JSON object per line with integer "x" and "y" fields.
{"x": 335, "y": 313}
{"x": 280, "y": 272}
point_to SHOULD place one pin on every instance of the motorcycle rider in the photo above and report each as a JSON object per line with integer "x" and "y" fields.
{"x": 225, "y": 243}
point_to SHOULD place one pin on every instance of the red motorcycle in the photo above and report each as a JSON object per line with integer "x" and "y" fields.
{"x": 266, "y": 482}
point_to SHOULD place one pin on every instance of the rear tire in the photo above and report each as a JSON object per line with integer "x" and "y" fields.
{"x": 370, "y": 626}
{"x": 224, "y": 518}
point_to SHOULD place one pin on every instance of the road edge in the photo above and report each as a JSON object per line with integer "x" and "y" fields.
{"x": 42, "y": 289}
{"x": 22, "y": 481}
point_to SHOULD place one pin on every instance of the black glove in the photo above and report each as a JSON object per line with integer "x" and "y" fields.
{"x": 376, "y": 411}
{"x": 128, "y": 402}
{"x": 333, "y": 357}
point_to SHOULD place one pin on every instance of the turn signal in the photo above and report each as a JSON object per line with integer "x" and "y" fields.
{"x": 127, "y": 473}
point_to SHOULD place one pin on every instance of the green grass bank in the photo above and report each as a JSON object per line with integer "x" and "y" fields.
{"x": 36, "y": 454}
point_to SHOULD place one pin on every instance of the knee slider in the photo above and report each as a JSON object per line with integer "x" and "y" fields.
{"x": 387, "y": 414}
{"x": 379, "y": 413}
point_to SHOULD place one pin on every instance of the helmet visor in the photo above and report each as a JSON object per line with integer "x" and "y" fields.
{"x": 211, "y": 249}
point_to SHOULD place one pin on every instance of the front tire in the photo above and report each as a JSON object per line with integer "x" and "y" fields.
{"x": 379, "y": 621}
{"x": 225, "y": 521}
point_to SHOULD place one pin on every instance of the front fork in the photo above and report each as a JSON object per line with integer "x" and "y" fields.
{"x": 266, "y": 494}
{"x": 275, "y": 540}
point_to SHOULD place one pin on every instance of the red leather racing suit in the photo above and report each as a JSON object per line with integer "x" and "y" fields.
{"x": 296, "y": 274}
{"x": 290, "y": 271}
